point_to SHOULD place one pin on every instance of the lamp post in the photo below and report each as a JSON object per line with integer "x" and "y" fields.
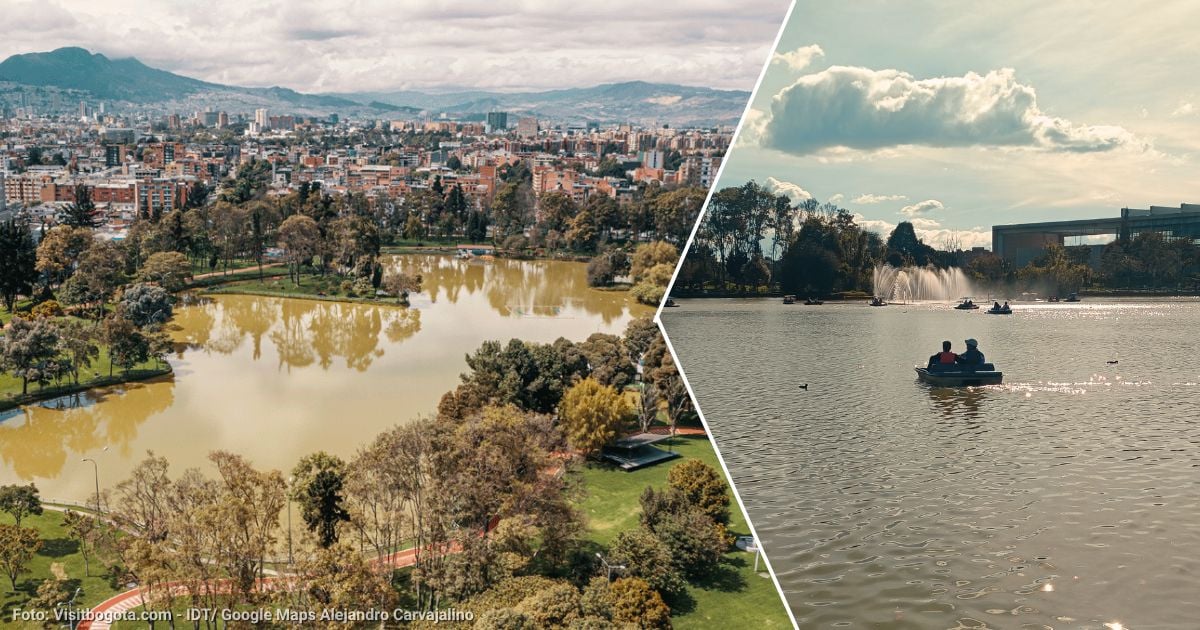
{"x": 610, "y": 567}
{"x": 291, "y": 482}
{"x": 96, "y": 475}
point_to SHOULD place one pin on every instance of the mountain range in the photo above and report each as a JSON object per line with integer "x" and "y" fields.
{"x": 77, "y": 71}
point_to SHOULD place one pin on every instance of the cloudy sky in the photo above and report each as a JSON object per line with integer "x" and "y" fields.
{"x": 356, "y": 45}
{"x": 960, "y": 119}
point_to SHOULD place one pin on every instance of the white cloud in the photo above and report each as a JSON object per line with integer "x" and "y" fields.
{"x": 869, "y": 198}
{"x": 369, "y": 45}
{"x": 1184, "y": 109}
{"x": 800, "y": 58}
{"x": 792, "y": 191}
{"x": 922, "y": 207}
{"x": 867, "y": 109}
{"x": 836, "y": 198}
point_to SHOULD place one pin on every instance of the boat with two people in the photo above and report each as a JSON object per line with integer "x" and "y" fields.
{"x": 877, "y": 301}
{"x": 969, "y": 369}
{"x": 966, "y": 304}
{"x": 813, "y": 302}
{"x": 997, "y": 309}
{"x": 789, "y": 299}
{"x": 1074, "y": 297}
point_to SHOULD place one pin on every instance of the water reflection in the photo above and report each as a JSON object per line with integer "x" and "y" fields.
{"x": 275, "y": 379}
{"x": 38, "y": 440}
{"x": 957, "y": 402}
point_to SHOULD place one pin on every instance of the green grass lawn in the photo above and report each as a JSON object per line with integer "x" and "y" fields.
{"x": 57, "y": 549}
{"x": 736, "y": 595}
{"x": 95, "y": 376}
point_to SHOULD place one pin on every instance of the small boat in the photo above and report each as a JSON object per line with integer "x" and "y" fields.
{"x": 813, "y": 302}
{"x": 1074, "y": 297}
{"x": 1052, "y": 298}
{"x": 967, "y": 304}
{"x": 670, "y": 303}
{"x": 999, "y": 311}
{"x": 957, "y": 376}
{"x": 877, "y": 301}
{"x": 789, "y": 299}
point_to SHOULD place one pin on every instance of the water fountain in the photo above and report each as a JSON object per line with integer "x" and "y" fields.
{"x": 909, "y": 284}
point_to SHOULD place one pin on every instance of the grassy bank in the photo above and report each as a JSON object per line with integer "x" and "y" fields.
{"x": 735, "y": 595}
{"x": 59, "y": 555}
{"x": 310, "y": 287}
{"x": 96, "y": 376}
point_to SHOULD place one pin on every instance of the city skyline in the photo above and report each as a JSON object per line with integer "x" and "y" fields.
{"x": 378, "y": 46}
{"x": 915, "y": 113}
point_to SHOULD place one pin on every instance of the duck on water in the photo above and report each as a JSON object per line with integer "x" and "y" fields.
{"x": 948, "y": 369}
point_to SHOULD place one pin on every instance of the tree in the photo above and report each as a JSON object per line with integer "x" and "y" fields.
{"x": 317, "y": 487}
{"x": 553, "y": 607}
{"x": 101, "y": 270}
{"x": 17, "y": 547}
{"x": 127, "y": 346}
{"x": 146, "y": 305}
{"x": 82, "y": 213}
{"x": 696, "y": 542}
{"x": 645, "y": 556}
{"x": 634, "y": 601}
{"x": 81, "y": 528}
{"x": 27, "y": 350}
{"x": 60, "y": 249}
{"x": 648, "y": 255}
{"x": 18, "y": 262}
{"x": 400, "y": 284}
{"x": 591, "y": 415}
{"x": 170, "y": 270}
{"x": 300, "y": 238}
{"x": 609, "y": 360}
{"x": 702, "y": 486}
{"x": 640, "y": 332}
{"x": 530, "y": 375}
{"x": 77, "y": 345}
{"x": 20, "y": 501}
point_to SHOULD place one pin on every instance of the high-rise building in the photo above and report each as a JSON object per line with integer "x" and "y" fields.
{"x": 260, "y": 117}
{"x": 112, "y": 155}
{"x": 222, "y": 120}
{"x": 497, "y": 122}
{"x": 527, "y": 127}
{"x": 3, "y": 200}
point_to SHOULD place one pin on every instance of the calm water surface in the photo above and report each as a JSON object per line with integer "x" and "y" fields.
{"x": 1069, "y": 497}
{"x": 275, "y": 379}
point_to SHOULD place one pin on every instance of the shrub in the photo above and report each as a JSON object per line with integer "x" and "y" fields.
{"x": 553, "y": 607}
{"x": 645, "y": 556}
{"x": 591, "y": 415}
{"x": 49, "y": 308}
{"x": 702, "y": 486}
{"x": 634, "y": 601}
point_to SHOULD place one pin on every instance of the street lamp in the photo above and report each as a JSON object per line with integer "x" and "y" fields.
{"x": 96, "y": 474}
{"x": 291, "y": 482}
{"x": 610, "y": 567}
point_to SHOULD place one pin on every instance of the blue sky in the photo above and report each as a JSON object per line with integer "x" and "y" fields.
{"x": 959, "y": 116}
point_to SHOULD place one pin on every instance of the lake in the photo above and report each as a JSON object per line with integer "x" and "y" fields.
{"x": 276, "y": 378}
{"x": 1068, "y": 497}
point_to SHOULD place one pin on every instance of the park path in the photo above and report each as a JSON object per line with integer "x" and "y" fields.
{"x": 103, "y": 613}
{"x": 115, "y": 606}
{"x": 213, "y": 274}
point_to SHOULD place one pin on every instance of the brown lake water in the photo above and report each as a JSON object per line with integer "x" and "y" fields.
{"x": 275, "y": 378}
{"x": 1068, "y": 497}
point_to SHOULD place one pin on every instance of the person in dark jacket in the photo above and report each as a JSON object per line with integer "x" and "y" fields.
{"x": 972, "y": 357}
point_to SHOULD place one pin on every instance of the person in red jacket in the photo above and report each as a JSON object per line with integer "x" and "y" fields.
{"x": 945, "y": 357}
